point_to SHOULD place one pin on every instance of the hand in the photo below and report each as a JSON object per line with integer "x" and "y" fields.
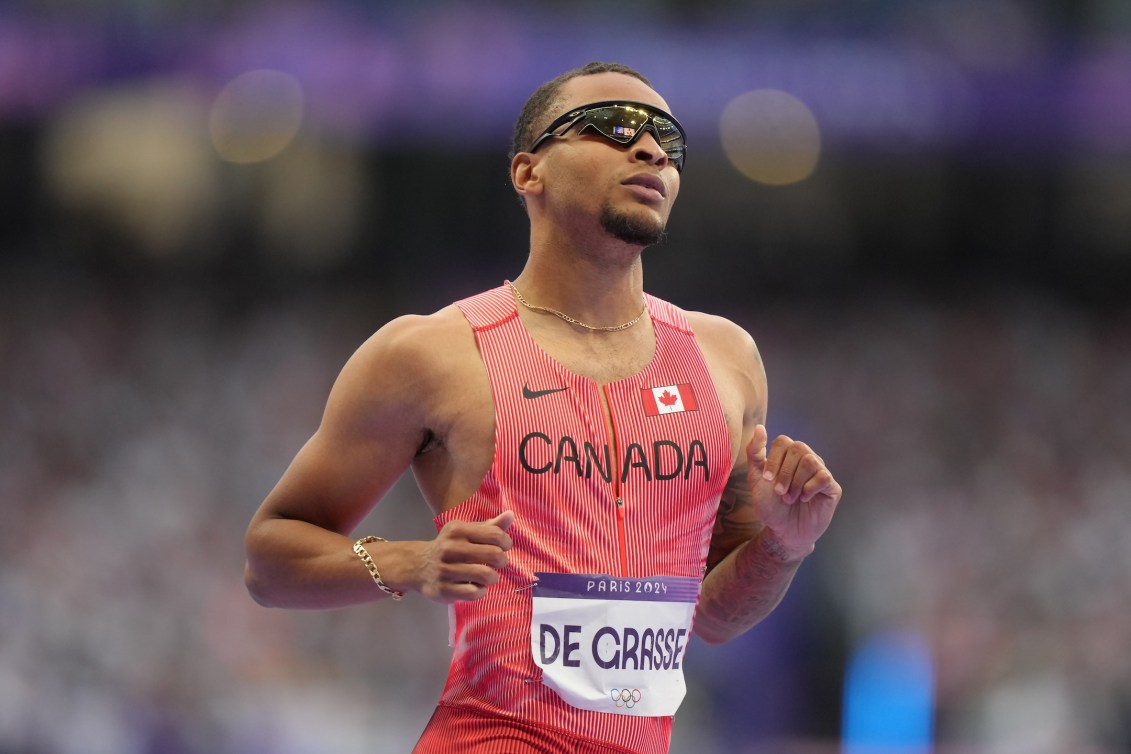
{"x": 464, "y": 559}
{"x": 795, "y": 495}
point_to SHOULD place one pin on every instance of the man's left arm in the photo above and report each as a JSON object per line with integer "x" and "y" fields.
{"x": 778, "y": 501}
{"x": 770, "y": 517}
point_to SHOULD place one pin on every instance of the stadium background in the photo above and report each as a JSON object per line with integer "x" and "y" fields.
{"x": 921, "y": 210}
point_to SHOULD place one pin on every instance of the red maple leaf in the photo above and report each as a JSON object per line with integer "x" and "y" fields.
{"x": 667, "y": 398}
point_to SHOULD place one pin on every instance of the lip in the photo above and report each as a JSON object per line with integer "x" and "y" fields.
{"x": 648, "y": 181}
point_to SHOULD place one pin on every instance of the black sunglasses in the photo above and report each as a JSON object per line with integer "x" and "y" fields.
{"x": 623, "y": 122}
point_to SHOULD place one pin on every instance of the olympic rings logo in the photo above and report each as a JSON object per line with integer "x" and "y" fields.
{"x": 625, "y": 697}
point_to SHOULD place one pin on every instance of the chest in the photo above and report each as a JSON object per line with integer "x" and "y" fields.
{"x": 572, "y": 403}
{"x": 600, "y": 357}
{"x": 582, "y": 410}
{"x": 636, "y": 463}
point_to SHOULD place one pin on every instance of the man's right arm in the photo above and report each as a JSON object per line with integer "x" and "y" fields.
{"x": 299, "y": 552}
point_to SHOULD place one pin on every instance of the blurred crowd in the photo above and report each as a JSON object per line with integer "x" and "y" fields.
{"x": 986, "y": 448}
{"x": 983, "y": 446}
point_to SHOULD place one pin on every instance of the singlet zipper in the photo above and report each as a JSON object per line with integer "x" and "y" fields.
{"x": 622, "y": 534}
{"x": 622, "y": 537}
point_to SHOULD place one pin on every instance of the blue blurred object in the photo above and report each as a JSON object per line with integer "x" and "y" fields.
{"x": 889, "y": 696}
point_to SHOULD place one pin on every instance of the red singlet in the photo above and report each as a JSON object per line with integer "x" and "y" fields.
{"x": 641, "y": 502}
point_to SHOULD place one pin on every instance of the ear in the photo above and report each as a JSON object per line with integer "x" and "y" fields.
{"x": 526, "y": 175}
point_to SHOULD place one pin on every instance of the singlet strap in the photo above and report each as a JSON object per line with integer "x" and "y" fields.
{"x": 669, "y": 314}
{"x": 490, "y": 308}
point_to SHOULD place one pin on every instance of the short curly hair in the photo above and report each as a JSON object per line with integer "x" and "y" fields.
{"x": 545, "y": 98}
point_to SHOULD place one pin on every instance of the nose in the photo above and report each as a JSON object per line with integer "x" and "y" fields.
{"x": 646, "y": 148}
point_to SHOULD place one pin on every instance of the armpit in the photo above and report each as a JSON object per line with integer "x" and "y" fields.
{"x": 429, "y": 441}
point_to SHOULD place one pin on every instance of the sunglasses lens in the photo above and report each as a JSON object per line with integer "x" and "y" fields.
{"x": 617, "y": 123}
{"x": 666, "y": 130}
{"x": 670, "y": 139}
{"x": 623, "y": 124}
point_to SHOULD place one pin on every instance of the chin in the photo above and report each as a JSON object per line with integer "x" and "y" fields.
{"x": 636, "y": 228}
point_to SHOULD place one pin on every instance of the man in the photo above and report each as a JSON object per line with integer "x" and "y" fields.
{"x": 596, "y": 458}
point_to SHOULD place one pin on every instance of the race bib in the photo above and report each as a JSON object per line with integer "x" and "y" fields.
{"x": 613, "y": 644}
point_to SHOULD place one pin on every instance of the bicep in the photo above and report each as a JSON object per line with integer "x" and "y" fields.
{"x": 740, "y": 365}
{"x": 371, "y": 429}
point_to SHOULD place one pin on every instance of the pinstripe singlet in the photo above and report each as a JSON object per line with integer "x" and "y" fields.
{"x": 641, "y": 502}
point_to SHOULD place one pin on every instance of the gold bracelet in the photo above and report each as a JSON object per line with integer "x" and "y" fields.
{"x": 368, "y": 561}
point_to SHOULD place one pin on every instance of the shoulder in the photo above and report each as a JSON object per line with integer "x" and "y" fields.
{"x": 721, "y": 338}
{"x": 735, "y": 363}
{"x": 406, "y": 359}
{"x": 416, "y": 342}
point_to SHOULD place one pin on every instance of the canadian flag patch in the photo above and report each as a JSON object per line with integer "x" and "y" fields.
{"x": 669, "y": 399}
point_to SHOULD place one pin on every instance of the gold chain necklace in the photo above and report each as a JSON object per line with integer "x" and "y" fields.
{"x": 571, "y": 320}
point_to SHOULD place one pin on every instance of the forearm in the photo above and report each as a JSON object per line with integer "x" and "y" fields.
{"x": 744, "y": 588}
{"x": 295, "y": 564}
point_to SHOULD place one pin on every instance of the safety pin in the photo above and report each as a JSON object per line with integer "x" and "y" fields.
{"x": 533, "y": 583}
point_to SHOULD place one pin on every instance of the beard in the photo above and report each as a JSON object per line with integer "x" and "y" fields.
{"x": 631, "y": 228}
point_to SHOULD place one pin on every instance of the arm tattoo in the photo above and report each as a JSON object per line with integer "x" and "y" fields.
{"x": 733, "y": 526}
{"x": 743, "y": 590}
{"x": 747, "y": 574}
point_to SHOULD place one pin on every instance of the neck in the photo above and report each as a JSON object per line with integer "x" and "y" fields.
{"x": 573, "y": 320}
{"x": 599, "y": 294}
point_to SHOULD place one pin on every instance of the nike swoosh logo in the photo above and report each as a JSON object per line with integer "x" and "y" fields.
{"x": 528, "y": 393}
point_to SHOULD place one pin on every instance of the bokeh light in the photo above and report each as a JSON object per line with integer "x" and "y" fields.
{"x": 256, "y": 116}
{"x": 771, "y": 137}
{"x": 308, "y": 204}
{"x": 136, "y": 156}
